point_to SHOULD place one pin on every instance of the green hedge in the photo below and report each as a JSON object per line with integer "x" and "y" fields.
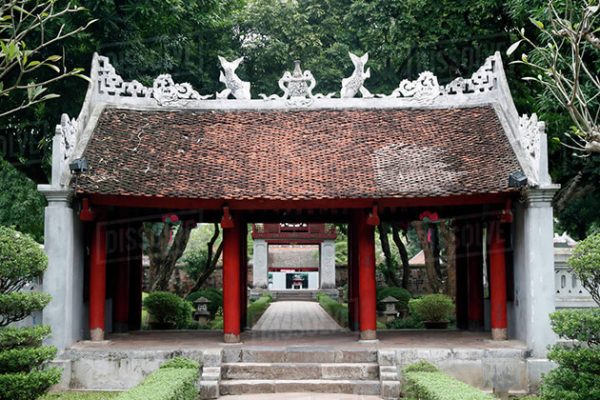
{"x": 337, "y": 310}
{"x": 174, "y": 380}
{"x": 257, "y": 308}
{"x": 168, "y": 308}
{"x": 27, "y": 386}
{"x": 423, "y": 381}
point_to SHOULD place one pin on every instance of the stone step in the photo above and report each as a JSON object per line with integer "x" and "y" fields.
{"x": 255, "y": 386}
{"x": 300, "y": 371}
{"x": 298, "y": 355}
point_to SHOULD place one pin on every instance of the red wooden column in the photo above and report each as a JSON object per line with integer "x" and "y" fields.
{"x": 367, "y": 289}
{"x": 121, "y": 293}
{"x": 474, "y": 251}
{"x": 497, "y": 284}
{"x": 353, "y": 303}
{"x": 243, "y": 275}
{"x": 136, "y": 271}
{"x": 97, "y": 281}
{"x": 231, "y": 281}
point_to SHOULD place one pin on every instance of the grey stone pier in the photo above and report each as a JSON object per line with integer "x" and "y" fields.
{"x": 259, "y": 264}
{"x": 534, "y": 271}
{"x": 327, "y": 267}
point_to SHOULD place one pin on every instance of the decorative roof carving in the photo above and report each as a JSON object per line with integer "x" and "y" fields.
{"x": 483, "y": 80}
{"x": 355, "y": 82}
{"x": 68, "y": 134}
{"x": 424, "y": 89}
{"x": 233, "y": 84}
{"x": 297, "y": 87}
{"x": 164, "y": 90}
{"x": 531, "y": 130}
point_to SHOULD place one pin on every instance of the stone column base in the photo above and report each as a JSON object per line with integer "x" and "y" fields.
{"x": 499, "y": 334}
{"x": 231, "y": 338}
{"x": 368, "y": 335}
{"x": 97, "y": 335}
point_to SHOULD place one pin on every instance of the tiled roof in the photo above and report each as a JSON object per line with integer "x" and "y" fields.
{"x": 283, "y": 155}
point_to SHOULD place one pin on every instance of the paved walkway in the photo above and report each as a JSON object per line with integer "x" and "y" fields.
{"x": 295, "y": 316}
{"x": 300, "y": 396}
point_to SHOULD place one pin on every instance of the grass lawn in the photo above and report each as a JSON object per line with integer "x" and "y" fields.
{"x": 80, "y": 396}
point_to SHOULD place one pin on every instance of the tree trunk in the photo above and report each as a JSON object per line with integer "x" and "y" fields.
{"x": 447, "y": 231}
{"x": 432, "y": 277}
{"x": 389, "y": 273}
{"x": 403, "y": 255}
{"x": 163, "y": 254}
{"x": 212, "y": 257}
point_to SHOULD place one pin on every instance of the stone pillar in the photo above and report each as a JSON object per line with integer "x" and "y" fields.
{"x": 97, "y": 281}
{"x": 327, "y": 267}
{"x": 367, "y": 288}
{"x": 534, "y": 271}
{"x": 63, "y": 279}
{"x": 259, "y": 264}
{"x": 231, "y": 284}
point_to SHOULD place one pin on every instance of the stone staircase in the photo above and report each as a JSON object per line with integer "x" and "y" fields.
{"x": 294, "y": 295}
{"x": 267, "y": 370}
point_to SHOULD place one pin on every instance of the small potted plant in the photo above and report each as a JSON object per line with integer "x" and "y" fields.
{"x": 434, "y": 309}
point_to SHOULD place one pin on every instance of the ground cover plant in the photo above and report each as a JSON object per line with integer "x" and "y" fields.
{"x": 257, "y": 308}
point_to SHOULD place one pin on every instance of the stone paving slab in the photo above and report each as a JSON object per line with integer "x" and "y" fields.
{"x": 301, "y": 396}
{"x": 295, "y": 316}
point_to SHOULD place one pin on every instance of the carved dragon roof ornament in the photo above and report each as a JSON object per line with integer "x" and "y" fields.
{"x": 233, "y": 84}
{"x": 425, "y": 89}
{"x": 297, "y": 87}
{"x": 355, "y": 82}
{"x": 164, "y": 90}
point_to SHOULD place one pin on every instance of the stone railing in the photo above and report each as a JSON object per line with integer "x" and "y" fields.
{"x": 569, "y": 291}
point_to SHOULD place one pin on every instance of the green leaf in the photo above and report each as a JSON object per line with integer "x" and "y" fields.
{"x": 53, "y": 58}
{"x": 537, "y": 23}
{"x": 513, "y": 47}
{"x": 52, "y": 66}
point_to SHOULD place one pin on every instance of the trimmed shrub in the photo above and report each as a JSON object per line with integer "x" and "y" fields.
{"x": 432, "y": 307}
{"x": 406, "y": 323}
{"x": 23, "y": 337}
{"x": 214, "y": 295}
{"x": 23, "y": 375}
{"x": 421, "y": 366}
{"x": 337, "y": 311}
{"x": 165, "y": 384}
{"x": 181, "y": 363}
{"x": 21, "y": 359}
{"x": 439, "y": 386}
{"x": 27, "y": 386}
{"x": 577, "y": 376}
{"x": 257, "y": 308}
{"x": 168, "y": 310}
{"x": 399, "y": 293}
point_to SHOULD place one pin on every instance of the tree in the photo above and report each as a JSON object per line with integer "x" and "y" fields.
{"x": 22, "y": 356}
{"x": 585, "y": 262}
{"x": 27, "y": 29}
{"x": 564, "y": 60}
{"x": 21, "y": 205}
{"x": 202, "y": 262}
{"x": 166, "y": 242}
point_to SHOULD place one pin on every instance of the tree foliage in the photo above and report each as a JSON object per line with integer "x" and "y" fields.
{"x": 28, "y": 28}
{"x": 585, "y": 262}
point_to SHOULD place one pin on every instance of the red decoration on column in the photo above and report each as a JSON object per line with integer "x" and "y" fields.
{"x": 86, "y": 213}
{"x": 498, "y": 284}
{"x": 373, "y": 218}
{"x": 367, "y": 290}
{"x": 231, "y": 284}
{"x": 226, "y": 221}
{"x": 97, "y": 281}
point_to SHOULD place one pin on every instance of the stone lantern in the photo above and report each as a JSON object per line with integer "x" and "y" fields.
{"x": 391, "y": 312}
{"x": 202, "y": 315}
